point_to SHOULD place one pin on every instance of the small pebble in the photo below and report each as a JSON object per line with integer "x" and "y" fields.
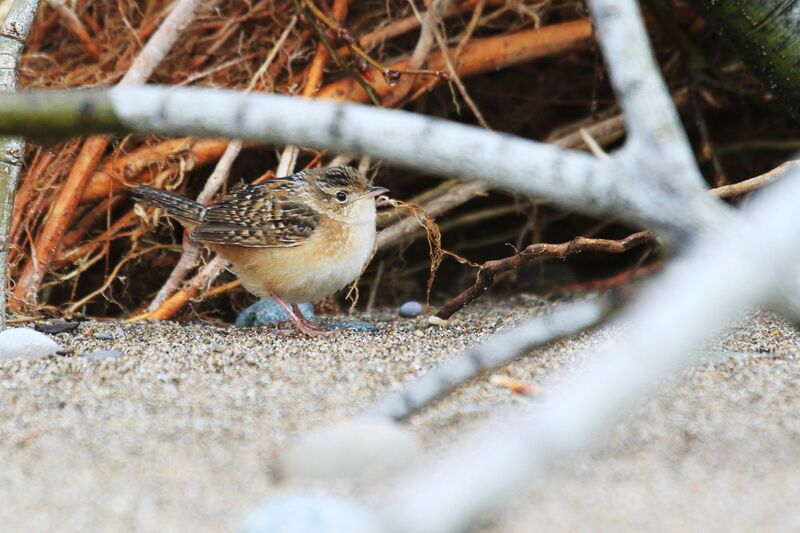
{"x": 105, "y": 354}
{"x": 104, "y": 336}
{"x": 300, "y": 513}
{"x": 419, "y": 334}
{"x": 436, "y": 321}
{"x": 26, "y": 343}
{"x": 410, "y": 309}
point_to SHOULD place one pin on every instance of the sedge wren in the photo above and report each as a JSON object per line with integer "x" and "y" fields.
{"x": 292, "y": 239}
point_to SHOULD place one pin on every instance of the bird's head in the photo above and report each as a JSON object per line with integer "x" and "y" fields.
{"x": 341, "y": 192}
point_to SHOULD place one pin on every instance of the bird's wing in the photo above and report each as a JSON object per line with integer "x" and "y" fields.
{"x": 260, "y": 216}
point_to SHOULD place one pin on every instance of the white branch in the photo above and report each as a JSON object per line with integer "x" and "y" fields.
{"x": 409, "y": 140}
{"x": 739, "y": 266}
{"x": 13, "y": 33}
{"x": 158, "y": 46}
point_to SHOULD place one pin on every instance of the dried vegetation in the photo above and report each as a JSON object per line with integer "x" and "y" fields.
{"x": 530, "y": 68}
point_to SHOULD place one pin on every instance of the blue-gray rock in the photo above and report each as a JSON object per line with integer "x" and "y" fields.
{"x": 410, "y": 309}
{"x": 105, "y": 354}
{"x": 267, "y": 312}
{"x": 26, "y": 343}
{"x": 305, "y": 513}
{"x": 104, "y": 336}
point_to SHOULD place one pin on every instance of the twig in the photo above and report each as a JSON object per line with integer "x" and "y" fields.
{"x": 126, "y": 170}
{"x": 331, "y": 52}
{"x": 75, "y": 25}
{"x": 421, "y": 51}
{"x": 110, "y": 278}
{"x": 13, "y": 34}
{"x": 453, "y": 70}
{"x": 749, "y": 185}
{"x": 404, "y": 25}
{"x": 491, "y": 269}
{"x": 317, "y": 66}
{"x": 26, "y": 191}
{"x": 180, "y": 298}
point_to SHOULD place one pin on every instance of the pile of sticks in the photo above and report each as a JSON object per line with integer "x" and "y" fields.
{"x": 75, "y": 236}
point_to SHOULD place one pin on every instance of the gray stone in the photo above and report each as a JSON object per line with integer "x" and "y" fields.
{"x": 26, "y": 343}
{"x": 104, "y": 336}
{"x": 105, "y": 354}
{"x": 267, "y": 312}
{"x": 410, "y": 309}
{"x": 55, "y": 327}
{"x": 361, "y": 449}
{"x": 305, "y": 513}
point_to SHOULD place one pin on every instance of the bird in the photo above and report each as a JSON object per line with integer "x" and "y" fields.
{"x": 291, "y": 239}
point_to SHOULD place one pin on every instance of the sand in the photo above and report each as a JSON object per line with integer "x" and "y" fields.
{"x": 184, "y": 432}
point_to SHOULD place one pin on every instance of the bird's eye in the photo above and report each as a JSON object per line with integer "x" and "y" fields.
{"x": 341, "y": 196}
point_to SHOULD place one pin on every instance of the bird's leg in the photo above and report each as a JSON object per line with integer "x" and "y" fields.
{"x": 310, "y": 326}
{"x": 297, "y": 317}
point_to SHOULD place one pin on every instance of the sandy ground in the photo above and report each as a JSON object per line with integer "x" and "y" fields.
{"x": 183, "y": 432}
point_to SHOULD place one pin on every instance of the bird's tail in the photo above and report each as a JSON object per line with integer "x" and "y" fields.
{"x": 175, "y": 205}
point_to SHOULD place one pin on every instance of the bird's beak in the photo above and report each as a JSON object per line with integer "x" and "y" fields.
{"x": 374, "y": 191}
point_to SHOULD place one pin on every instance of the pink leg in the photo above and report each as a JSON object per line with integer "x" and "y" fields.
{"x": 299, "y": 320}
{"x": 310, "y": 326}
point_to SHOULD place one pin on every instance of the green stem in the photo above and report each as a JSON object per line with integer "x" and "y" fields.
{"x": 765, "y": 34}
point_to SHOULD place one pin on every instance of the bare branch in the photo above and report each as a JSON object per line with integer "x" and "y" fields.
{"x": 491, "y": 269}
{"x": 500, "y": 350}
{"x": 689, "y": 302}
{"x": 12, "y": 149}
{"x": 430, "y": 145}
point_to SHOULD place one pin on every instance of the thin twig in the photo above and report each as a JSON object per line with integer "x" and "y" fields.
{"x": 491, "y": 269}
{"x": 74, "y": 24}
{"x": 421, "y": 51}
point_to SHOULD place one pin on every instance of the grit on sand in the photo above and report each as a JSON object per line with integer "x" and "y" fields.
{"x": 184, "y": 431}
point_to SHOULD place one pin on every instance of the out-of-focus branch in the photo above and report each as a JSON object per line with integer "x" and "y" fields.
{"x": 409, "y": 140}
{"x": 12, "y": 149}
{"x": 497, "y": 351}
{"x": 691, "y": 301}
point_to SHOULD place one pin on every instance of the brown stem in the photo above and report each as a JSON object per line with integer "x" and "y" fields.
{"x": 74, "y": 24}
{"x": 479, "y": 56}
{"x": 491, "y": 269}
